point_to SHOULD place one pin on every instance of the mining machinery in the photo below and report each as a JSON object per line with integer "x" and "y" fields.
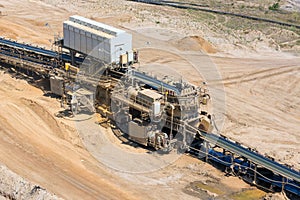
{"x": 160, "y": 113}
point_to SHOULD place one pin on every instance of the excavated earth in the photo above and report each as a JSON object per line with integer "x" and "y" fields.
{"x": 45, "y": 157}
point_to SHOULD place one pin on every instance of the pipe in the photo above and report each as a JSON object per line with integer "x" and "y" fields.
{"x": 172, "y": 115}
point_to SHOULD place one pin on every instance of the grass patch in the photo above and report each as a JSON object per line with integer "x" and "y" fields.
{"x": 221, "y": 18}
{"x": 201, "y": 16}
{"x": 267, "y": 9}
{"x": 295, "y": 30}
{"x": 248, "y": 195}
{"x": 236, "y": 23}
{"x": 209, "y": 188}
{"x": 260, "y": 9}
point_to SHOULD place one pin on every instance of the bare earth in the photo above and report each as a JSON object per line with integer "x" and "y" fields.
{"x": 261, "y": 83}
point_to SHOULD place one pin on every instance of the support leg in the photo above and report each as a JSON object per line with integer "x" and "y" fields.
{"x": 255, "y": 174}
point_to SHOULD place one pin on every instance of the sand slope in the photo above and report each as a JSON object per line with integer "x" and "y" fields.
{"x": 40, "y": 148}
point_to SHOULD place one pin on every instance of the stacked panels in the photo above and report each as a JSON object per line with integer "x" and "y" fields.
{"x": 96, "y": 39}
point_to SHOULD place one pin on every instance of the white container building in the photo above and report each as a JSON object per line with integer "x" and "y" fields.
{"x": 96, "y": 39}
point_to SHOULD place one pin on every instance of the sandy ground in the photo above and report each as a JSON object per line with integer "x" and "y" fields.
{"x": 261, "y": 107}
{"x": 47, "y": 151}
{"x": 292, "y": 5}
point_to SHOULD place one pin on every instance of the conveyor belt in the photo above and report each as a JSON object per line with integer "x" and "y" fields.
{"x": 252, "y": 156}
{"x": 33, "y": 66}
{"x": 38, "y": 50}
{"x": 28, "y": 47}
{"x": 154, "y": 82}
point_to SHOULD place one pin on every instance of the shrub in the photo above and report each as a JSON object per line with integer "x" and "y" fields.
{"x": 275, "y": 6}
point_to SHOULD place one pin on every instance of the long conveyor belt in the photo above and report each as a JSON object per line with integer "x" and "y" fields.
{"x": 252, "y": 156}
{"x": 248, "y": 154}
{"x": 28, "y": 47}
{"x": 38, "y": 50}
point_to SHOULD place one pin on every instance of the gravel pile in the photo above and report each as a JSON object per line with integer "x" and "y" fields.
{"x": 13, "y": 186}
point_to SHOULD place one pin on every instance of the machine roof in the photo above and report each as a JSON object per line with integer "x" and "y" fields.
{"x": 96, "y": 25}
{"x": 89, "y": 29}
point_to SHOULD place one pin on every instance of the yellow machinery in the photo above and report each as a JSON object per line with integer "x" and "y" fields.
{"x": 71, "y": 68}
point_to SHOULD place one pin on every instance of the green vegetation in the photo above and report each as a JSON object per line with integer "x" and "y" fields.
{"x": 294, "y": 29}
{"x": 212, "y": 189}
{"x": 295, "y": 17}
{"x": 236, "y": 23}
{"x": 275, "y": 6}
{"x": 201, "y": 16}
{"x": 248, "y": 195}
{"x": 268, "y": 9}
{"x": 256, "y": 8}
{"x": 221, "y": 18}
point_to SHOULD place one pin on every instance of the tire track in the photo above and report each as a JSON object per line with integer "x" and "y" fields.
{"x": 257, "y": 75}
